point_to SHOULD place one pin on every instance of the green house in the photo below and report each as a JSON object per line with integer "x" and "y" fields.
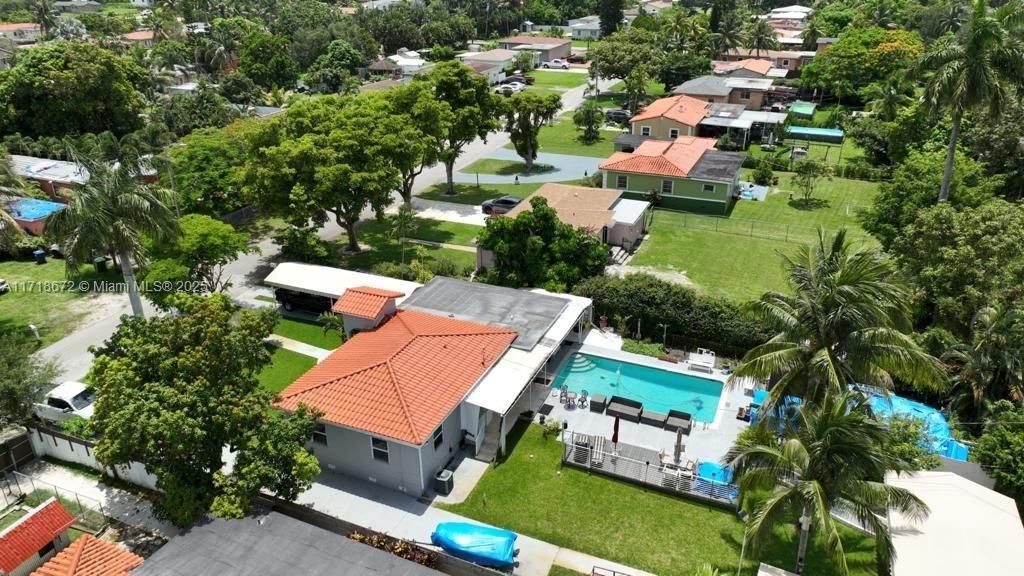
{"x": 687, "y": 173}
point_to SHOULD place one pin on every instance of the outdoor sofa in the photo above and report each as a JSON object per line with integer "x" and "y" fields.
{"x": 625, "y": 408}
{"x": 653, "y": 418}
{"x": 679, "y": 421}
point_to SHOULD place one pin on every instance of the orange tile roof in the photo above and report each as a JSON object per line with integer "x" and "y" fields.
{"x": 364, "y": 302}
{"x": 89, "y": 556}
{"x": 402, "y": 379}
{"x": 754, "y": 65}
{"x": 683, "y": 109}
{"x": 661, "y": 157}
{"x": 23, "y": 539}
{"x": 15, "y": 26}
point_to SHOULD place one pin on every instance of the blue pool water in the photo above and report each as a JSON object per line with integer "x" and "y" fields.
{"x": 30, "y": 209}
{"x": 714, "y": 472}
{"x": 657, "y": 390}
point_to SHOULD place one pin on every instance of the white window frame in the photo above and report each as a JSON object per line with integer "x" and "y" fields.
{"x": 671, "y": 187}
{"x": 744, "y": 94}
{"x": 671, "y": 135}
{"x": 438, "y": 437}
{"x": 621, "y": 181}
{"x": 376, "y": 451}
{"x": 320, "y": 434}
{"x": 645, "y": 130}
{"x": 705, "y": 190}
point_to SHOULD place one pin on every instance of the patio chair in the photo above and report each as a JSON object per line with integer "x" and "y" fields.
{"x": 582, "y": 400}
{"x": 563, "y": 394}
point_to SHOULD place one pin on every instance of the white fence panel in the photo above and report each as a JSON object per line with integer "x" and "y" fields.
{"x": 70, "y": 449}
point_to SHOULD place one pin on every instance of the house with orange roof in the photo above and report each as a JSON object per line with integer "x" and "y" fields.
{"x": 452, "y": 366}
{"x": 90, "y": 556}
{"x": 144, "y": 38}
{"x": 670, "y": 117}
{"x": 34, "y": 538}
{"x": 748, "y": 68}
{"x": 687, "y": 173}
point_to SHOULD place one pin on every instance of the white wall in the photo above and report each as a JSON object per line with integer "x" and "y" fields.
{"x": 46, "y": 444}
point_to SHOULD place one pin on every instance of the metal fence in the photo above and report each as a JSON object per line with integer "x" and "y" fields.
{"x": 643, "y": 466}
{"x": 30, "y": 492}
{"x": 750, "y": 228}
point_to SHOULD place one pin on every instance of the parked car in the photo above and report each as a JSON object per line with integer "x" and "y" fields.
{"x": 617, "y": 115}
{"x": 556, "y": 63}
{"x": 519, "y": 78}
{"x": 292, "y": 299}
{"x": 66, "y": 401}
{"x": 510, "y": 88}
{"x": 577, "y": 59}
{"x": 500, "y": 205}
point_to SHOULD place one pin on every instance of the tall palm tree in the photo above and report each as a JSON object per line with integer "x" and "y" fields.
{"x": 952, "y": 18}
{"x": 888, "y": 98}
{"x": 846, "y": 323}
{"x": 828, "y": 457}
{"x": 811, "y": 33}
{"x": 990, "y": 366}
{"x": 11, "y": 185}
{"x": 729, "y": 35}
{"x": 43, "y": 14}
{"x": 760, "y": 35}
{"x": 978, "y": 69}
{"x": 113, "y": 212}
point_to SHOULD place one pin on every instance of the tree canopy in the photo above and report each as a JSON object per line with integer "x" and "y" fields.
{"x": 267, "y": 60}
{"x": 862, "y": 56}
{"x": 24, "y": 378}
{"x": 525, "y": 114}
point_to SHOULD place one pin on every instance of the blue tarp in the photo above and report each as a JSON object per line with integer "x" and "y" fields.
{"x": 940, "y": 435}
{"x": 481, "y": 545}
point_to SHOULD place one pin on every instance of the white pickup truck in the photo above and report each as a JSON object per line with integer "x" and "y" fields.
{"x": 66, "y": 401}
{"x": 556, "y": 63}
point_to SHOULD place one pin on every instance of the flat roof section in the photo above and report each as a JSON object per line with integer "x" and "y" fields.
{"x": 528, "y": 313}
{"x": 331, "y": 282}
{"x": 716, "y": 165}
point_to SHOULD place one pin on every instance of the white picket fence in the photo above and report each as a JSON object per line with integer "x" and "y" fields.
{"x": 47, "y": 442}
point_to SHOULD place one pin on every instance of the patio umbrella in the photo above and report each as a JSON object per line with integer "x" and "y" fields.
{"x": 679, "y": 444}
{"x": 615, "y": 431}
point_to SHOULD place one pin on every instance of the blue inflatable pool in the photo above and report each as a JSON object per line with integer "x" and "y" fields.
{"x": 481, "y": 545}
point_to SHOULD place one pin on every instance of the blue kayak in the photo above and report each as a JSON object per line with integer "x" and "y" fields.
{"x": 478, "y": 544}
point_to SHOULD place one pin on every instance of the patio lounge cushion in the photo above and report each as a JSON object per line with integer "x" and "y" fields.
{"x": 597, "y": 403}
{"x": 653, "y": 418}
{"x": 679, "y": 420}
{"x": 625, "y": 408}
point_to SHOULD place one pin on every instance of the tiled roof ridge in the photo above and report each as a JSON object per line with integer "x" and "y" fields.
{"x": 400, "y": 396}
{"x": 76, "y": 557}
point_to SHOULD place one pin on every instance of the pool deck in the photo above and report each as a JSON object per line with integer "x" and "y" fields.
{"x": 705, "y": 441}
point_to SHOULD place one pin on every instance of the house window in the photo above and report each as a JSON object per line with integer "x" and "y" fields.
{"x": 673, "y": 133}
{"x": 645, "y": 130}
{"x": 438, "y": 437}
{"x": 666, "y": 186}
{"x": 785, "y": 63}
{"x": 46, "y": 549}
{"x": 711, "y": 100}
{"x": 744, "y": 94}
{"x": 380, "y": 449}
{"x": 320, "y": 434}
{"x": 621, "y": 182}
{"x": 709, "y": 188}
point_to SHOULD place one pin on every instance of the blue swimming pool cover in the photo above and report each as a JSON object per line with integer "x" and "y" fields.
{"x": 940, "y": 434}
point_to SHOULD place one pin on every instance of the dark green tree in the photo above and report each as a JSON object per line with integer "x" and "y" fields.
{"x": 1000, "y": 449}
{"x": 611, "y": 15}
{"x": 589, "y": 118}
{"x": 183, "y": 113}
{"x": 24, "y": 378}
{"x": 268, "y": 61}
{"x": 333, "y": 68}
{"x": 238, "y": 88}
{"x": 680, "y": 67}
{"x": 525, "y": 114}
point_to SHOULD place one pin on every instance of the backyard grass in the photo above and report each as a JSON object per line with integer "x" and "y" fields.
{"x": 119, "y": 8}
{"x": 311, "y": 333}
{"x": 559, "y": 571}
{"x": 53, "y": 307}
{"x": 530, "y": 494}
{"x": 11, "y": 517}
{"x": 383, "y": 248}
{"x": 496, "y": 166}
{"x": 285, "y": 366}
{"x": 832, "y": 154}
{"x": 557, "y": 79}
{"x": 476, "y": 195}
{"x": 837, "y": 202}
{"x": 562, "y": 138}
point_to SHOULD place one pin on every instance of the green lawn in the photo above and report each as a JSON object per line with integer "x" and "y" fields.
{"x": 476, "y": 195}
{"x": 285, "y": 366}
{"x": 54, "y": 307}
{"x": 654, "y": 88}
{"x": 386, "y": 249}
{"x": 559, "y": 571}
{"x": 829, "y": 153}
{"x": 119, "y": 8}
{"x": 583, "y": 43}
{"x": 311, "y": 333}
{"x": 557, "y": 79}
{"x": 562, "y": 139}
{"x": 11, "y": 517}
{"x": 530, "y": 494}
{"x": 837, "y": 202}
{"x": 496, "y": 166}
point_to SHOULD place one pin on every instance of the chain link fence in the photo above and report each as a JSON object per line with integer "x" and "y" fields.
{"x": 751, "y": 228}
{"x": 17, "y": 488}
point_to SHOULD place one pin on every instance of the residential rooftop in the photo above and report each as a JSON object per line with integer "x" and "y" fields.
{"x": 578, "y": 206}
{"x": 364, "y": 301}
{"x": 496, "y": 55}
{"x": 90, "y": 556}
{"x": 673, "y": 158}
{"x": 545, "y": 40}
{"x": 682, "y": 108}
{"x": 23, "y": 539}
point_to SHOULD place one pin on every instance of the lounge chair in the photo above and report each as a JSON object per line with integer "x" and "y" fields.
{"x": 679, "y": 420}
{"x": 582, "y": 400}
{"x": 625, "y": 408}
{"x": 597, "y": 403}
{"x": 653, "y": 418}
{"x": 597, "y": 455}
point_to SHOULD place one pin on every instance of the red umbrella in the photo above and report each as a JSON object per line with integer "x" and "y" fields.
{"x": 615, "y": 431}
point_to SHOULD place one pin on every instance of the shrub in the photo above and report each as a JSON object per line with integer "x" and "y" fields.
{"x": 763, "y": 174}
{"x": 78, "y": 426}
{"x": 645, "y": 347}
{"x": 302, "y": 244}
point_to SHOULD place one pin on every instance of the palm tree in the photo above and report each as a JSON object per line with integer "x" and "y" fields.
{"x": 978, "y": 69}
{"x": 113, "y": 212}
{"x": 43, "y": 14}
{"x": 828, "y": 458}
{"x": 886, "y": 99}
{"x": 952, "y": 18}
{"x": 729, "y": 35}
{"x": 760, "y": 36}
{"x": 846, "y": 323}
{"x": 811, "y": 33}
{"x": 990, "y": 366}
{"x": 11, "y": 185}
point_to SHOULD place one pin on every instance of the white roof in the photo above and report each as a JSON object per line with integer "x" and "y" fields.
{"x": 332, "y": 282}
{"x": 35, "y": 168}
{"x": 407, "y": 61}
{"x": 970, "y": 530}
{"x": 793, "y": 8}
{"x": 629, "y": 211}
{"x": 769, "y": 570}
{"x": 499, "y": 388}
{"x": 755, "y": 83}
{"x": 787, "y": 15}
{"x": 763, "y": 117}
{"x": 777, "y": 72}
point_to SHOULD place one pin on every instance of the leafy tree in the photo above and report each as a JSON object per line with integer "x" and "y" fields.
{"x": 333, "y": 68}
{"x": 830, "y": 455}
{"x": 912, "y": 188}
{"x": 990, "y": 365}
{"x": 183, "y": 113}
{"x": 680, "y": 67}
{"x": 205, "y": 246}
{"x": 422, "y": 121}
{"x": 537, "y": 249}
{"x": 960, "y": 260}
{"x": 525, "y": 114}
{"x": 24, "y": 378}
{"x": 44, "y": 14}
{"x": 978, "y": 69}
{"x": 472, "y": 112}
{"x": 846, "y": 323}
{"x": 589, "y": 118}
{"x": 267, "y": 60}
{"x": 998, "y": 143}
{"x": 808, "y": 174}
{"x": 394, "y": 27}
{"x": 610, "y": 12}
{"x": 69, "y": 28}
{"x": 887, "y": 98}
{"x": 862, "y": 56}
{"x": 303, "y": 244}
{"x": 907, "y": 440}
{"x": 238, "y": 88}
{"x": 524, "y": 61}
{"x": 323, "y": 155}
{"x": 621, "y": 53}
{"x": 871, "y": 134}
{"x": 1000, "y": 449}
{"x": 165, "y": 278}
{"x": 763, "y": 174}
{"x": 65, "y": 88}
{"x": 205, "y": 169}
{"x": 112, "y": 213}
{"x": 173, "y": 391}
{"x": 759, "y": 35}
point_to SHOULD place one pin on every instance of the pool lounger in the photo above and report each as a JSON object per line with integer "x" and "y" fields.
{"x": 625, "y": 408}
{"x": 653, "y": 418}
{"x": 598, "y": 403}
{"x": 679, "y": 420}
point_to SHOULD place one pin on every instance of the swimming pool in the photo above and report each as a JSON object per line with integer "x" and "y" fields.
{"x": 658, "y": 390}
{"x": 30, "y": 209}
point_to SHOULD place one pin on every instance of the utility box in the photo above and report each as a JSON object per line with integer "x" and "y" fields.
{"x": 444, "y": 482}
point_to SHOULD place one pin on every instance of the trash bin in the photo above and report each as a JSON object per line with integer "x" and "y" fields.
{"x": 40, "y": 255}
{"x": 55, "y": 251}
{"x": 100, "y": 262}
{"x": 444, "y": 482}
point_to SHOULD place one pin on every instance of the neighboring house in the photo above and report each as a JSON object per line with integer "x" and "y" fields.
{"x": 669, "y": 118}
{"x": 77, "y": 6}
{"x": 749, "y": 68}
{"x": 453, "y": 364}
{"x": 257, "y": 112}
{"x": 197, "y": 27}
{"x": 750, "y": 92}
{"x": 824, "y": 43}
{"x": 602, "y": 212}
{"x": 791, "y": 60}
{"x": 969, "y": 529}
{"x": 90, "y": 556}
{"x": 365, "y": 307}
{"x": 21, "y": 33}
{"x": 144, "y": 38}
{"x": 385, "y": 67}
{"x": 183, "y": 89}
{"x": 675, "y": 116}
{"x": 52, "y": 176}
{"x": 585, "y": 28}
{"x": 410, "y": 62}
{"x": 492, "y": 71}
{"x": 30, "y": 213}
{"x": 504, "y": 59}
{"x": 789, "y": 17}
{"x": 546, "y": 48}
{"x": 34, "y": 538}
{"x": 380, "y": 85}
{"x": 142, "y": 3}
{"x": 687, "y": 173}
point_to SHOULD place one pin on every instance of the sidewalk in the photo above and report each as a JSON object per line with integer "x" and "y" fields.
{"x": 300, "y": 347}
